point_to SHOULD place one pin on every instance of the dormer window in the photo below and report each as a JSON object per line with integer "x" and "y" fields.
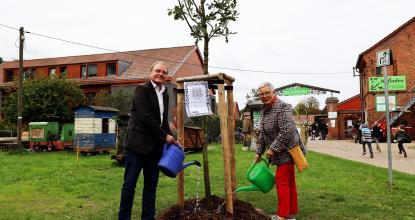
{"x": 9, "y": 76}
{"x": 52, "y": 72}
{"x": 111, "y": 69}
{"x": 92, "y": 70}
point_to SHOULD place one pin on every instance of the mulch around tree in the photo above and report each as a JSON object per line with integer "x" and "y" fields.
{"x": 208, "y": 210}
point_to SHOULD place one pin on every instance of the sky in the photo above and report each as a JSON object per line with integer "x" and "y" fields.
{"x": 298, "y": 41}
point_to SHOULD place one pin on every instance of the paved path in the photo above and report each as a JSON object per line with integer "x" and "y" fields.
{"x": 347, "y": 149}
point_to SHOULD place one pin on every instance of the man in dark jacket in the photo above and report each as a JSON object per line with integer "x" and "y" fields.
{"x": 401, "y": 137}
{"x": 358, "y": 128}
{"x": 148, "y": 130}
{"x": 377, "y": 134}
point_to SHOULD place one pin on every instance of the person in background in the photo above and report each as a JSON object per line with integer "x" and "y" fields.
{"x": 324, "y": 130}
{"x": 377, "y": 134}
{"x": 277, "y": 134}
{"x": 358, "y": 128}
{"x": 367, "y": 139}
{"x": 313, "y": 131}
{"x": 147, "y": 132}
{"x": 400, "y": 137}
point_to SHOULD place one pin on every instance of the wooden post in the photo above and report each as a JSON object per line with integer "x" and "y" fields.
{"x": 180, "y": 137}
{"x": 231, "y": 130}
{"x": 206, "y": 177}
{"x": 226, "y": 147}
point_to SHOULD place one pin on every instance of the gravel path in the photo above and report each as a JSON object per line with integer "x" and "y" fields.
{"x": 347, "y": 149}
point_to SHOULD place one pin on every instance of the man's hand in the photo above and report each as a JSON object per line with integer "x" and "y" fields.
{"x": 270, "y": 153}
{"x": 170, "y": 139}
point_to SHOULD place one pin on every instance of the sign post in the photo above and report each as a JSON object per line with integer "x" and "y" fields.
{"x": 383, "y": 60}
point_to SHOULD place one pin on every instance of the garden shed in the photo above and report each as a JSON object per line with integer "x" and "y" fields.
{"x": 95, "y": 128}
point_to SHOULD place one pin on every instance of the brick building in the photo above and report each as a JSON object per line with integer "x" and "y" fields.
{"x": 109, "y": 71}
{"x": 348, "y": 113}
{"x": 401, "y": 43}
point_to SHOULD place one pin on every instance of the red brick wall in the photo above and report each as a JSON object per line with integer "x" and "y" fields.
{"x": 342, "y": 117}
{"x": 333, "y": 132}
{"x": 73, "y": 70}
{"x": 402, "y": 46}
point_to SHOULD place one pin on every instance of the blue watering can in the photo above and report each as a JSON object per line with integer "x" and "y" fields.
{"x": 171, "y": 162}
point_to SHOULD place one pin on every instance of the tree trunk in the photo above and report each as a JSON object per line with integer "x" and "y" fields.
{"x": 204, "y": 125}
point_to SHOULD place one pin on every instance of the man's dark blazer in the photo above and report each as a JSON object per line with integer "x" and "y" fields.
{"x": 145, "y": 135}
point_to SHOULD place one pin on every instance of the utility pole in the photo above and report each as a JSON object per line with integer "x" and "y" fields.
{"x": 20, "y": 91}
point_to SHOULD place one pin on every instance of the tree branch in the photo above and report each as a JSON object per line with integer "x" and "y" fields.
{"x": 192, "y": 30}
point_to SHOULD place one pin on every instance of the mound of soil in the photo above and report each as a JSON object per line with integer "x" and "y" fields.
{"x": 209, "y": 210}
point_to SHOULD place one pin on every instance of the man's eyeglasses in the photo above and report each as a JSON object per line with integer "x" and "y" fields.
{"x": 265, "y": 94}
{"x": 160, "y": 71}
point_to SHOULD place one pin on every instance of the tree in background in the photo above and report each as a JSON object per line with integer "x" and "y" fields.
{"x": 253, "y": 95}
{"x": 307, "y": 106}
{"x": 1, "y": 60}
{"x": 45, "y": 99}
{"x": 120, "y": 100}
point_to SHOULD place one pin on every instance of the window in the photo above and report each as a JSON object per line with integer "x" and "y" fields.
{"x": 111, "y": 69}
{"x": 63, "y": 72}
{"x": 52, "y": 72}
{"x": 83, "y": 71}
{"x": 27, "y": 74}
{"x": 105, "y": 125}
{"x": 9, "y": 76}
{"x": 92, "y": 70}
{"x": 378, "y": 70}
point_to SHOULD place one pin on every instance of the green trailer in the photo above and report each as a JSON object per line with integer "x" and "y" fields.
{"x": 46, "y": 135}
{"x": 67, "y": 132}
{"x": 42, "y": 133}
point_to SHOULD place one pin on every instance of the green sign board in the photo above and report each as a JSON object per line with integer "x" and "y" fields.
{"x": 376, "y": 84}
{"x": 296, "y": 91}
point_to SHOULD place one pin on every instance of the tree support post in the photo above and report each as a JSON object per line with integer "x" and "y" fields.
{"x": 180, "y": 137}
{"x": 226, "y": 146}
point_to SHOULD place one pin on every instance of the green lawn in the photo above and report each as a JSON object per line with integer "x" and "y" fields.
{"x": 54, "y": 186}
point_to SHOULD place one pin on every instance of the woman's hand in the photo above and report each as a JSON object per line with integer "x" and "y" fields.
{"x": 270, "y": 153}
{"x": 257, "y": 157}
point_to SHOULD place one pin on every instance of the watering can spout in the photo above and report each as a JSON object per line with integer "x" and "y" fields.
{"x": 195, "y": 162}
{"x": 248, "y": 188}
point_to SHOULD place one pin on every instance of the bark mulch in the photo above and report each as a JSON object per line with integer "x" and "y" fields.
{"x": 208, "y": 210}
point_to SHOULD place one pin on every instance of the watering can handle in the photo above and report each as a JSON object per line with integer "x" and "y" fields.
{"x": 261, "y": 159}
{"x": 176, "y": 144}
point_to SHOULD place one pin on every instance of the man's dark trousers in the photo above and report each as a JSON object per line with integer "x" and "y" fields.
{"x": 134, "y": 163}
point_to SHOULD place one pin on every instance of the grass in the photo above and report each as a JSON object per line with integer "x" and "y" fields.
{"x": 57, "y": 186}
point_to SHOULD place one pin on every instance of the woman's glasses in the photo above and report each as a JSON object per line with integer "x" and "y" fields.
{"x": 265, "y": 94}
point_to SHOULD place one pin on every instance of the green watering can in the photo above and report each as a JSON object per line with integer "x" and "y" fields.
{"x": 260, "y": 176}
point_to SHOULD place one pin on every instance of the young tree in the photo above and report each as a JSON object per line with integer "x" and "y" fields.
{"x": 206, "y": 19}
{"x": 45, "y": 100}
